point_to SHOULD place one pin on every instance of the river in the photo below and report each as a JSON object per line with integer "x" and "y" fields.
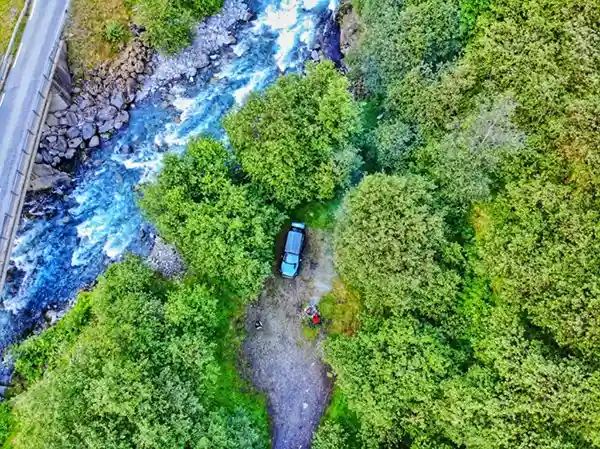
{"x": 99, "y": 222}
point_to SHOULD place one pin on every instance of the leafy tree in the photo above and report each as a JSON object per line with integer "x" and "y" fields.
{"x": 145, "y": 374}
{"x": 391, "y": 373}
{"x": 390, "y": 244}
{"x": 467, "y": 162}
{"x": 293, "y": 140}
{"x": 225, "y": 231}
{"x": 541, "y": 245}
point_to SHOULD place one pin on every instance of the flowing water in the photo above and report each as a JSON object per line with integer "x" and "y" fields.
{"x": 99, "y": 221}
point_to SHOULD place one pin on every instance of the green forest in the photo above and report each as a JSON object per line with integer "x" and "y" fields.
{"x": 462, "y": 148}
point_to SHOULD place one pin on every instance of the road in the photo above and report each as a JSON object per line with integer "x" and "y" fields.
{"x": 21, "y": 97}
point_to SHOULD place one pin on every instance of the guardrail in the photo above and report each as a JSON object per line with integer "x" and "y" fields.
{"x": 7, "y": 60}
{"x": 27, "y": 152}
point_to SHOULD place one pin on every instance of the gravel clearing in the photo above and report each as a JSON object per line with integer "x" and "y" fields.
{"x": 283, "y": 363}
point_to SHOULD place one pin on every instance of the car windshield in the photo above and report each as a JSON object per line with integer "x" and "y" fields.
{"x": 292, "y": 259}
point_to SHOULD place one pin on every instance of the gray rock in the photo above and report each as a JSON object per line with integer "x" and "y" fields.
{"x": 51, "y": 138}
{"x": 61, "y": 144}
{"x": 117, "y": 100}
{"x": 57, "y": 103}
{"x": 94, "y": 142}
{"x": 88, "y": 130}
{"x": 51, "y": 120}
{"x": 73, "y": 132}
{"x": 72, "y": 118}
{"x": 85, "y": 103}
{"x": 123, "y": 117}
{"x": 107, "y": 113}
{"x": 89, "y": 114}
{"x": 314, "y": 55}
{"x": 56, "y": 161}
{"x": 39, "y": 158}
{"x": 44, "y": 177}
{"x": 47, "y": 157}
{"x": 106, "y": 127}
{"x": 74, "y": 143}
{"x": 70, "y": 153}
{"x": 63, "y": 122}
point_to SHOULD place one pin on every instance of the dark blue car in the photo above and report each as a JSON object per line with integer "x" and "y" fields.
{"x": 294, "y": 243}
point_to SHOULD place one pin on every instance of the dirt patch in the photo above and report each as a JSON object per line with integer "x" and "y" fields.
{"x": 283, "y": 363}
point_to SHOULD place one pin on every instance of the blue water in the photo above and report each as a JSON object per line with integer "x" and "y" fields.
{"x": 99, "y": 221}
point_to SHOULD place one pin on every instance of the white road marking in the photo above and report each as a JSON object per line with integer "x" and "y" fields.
{"x": 2, "y": 98}
{"x": 18, "y": 53}
{"x": 33, "y": 8}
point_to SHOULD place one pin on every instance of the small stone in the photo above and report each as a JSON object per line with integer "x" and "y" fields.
{"x": 70, "y": 153}
{"x": 85, "y": 103}
{"x": 213, "y": 57}
{"x": 51, "y": 139}
{"x": 94, "y": 142}
{"x": 39, "y": 158}
{"x": 56, "y": 161}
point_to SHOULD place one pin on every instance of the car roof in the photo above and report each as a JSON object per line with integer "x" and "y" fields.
{"x": 293, "y": 244}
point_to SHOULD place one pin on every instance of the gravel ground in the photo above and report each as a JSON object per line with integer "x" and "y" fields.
{"x": 165, "y": 259}
{"x": 283, "y": 363}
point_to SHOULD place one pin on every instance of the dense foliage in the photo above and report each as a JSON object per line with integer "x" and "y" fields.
{"x": 224, "y": 230}
{"x": 294, "y": 140}
{"x": 492, "y": 106}
{"x": 145, "y": 373}
{"x": 169, "y": 23}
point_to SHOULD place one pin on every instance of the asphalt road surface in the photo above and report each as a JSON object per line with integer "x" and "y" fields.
{"x": 20, "y": 96}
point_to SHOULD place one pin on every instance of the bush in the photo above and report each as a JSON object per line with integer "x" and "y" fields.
{"x": 115, "y": 33}
{"x": 293, "y": 140}
{"x": 225, "y": 231}
{"x": 169, "y": 23}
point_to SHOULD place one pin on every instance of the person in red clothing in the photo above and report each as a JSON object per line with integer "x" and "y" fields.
{"x": 316, "y": 319}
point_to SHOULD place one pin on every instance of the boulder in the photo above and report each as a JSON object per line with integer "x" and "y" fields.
{"x": 117, "y": 100}
{"x": 107, "y": 127}
{"x": 88, "y": 130}
{"x": 73, "y": 132}
{"x": 74, "y": 143}
{"x": 107, "y": 113}
{"x": 94, "y": 142}
{"x": 44, "y": 177}
{"x": 57, "y": 103}
{"x": 51, "y": 120}
{"x": 89, "y": 114}
{"x": 72, "y": 118}
{"x": 123, "y": 117}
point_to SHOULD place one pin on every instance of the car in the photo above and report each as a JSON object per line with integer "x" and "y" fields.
{"x": 292, "y": 254}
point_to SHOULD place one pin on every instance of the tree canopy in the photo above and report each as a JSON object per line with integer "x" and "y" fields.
{"x": 293, "y": 140}
{"x": 145, "y": 373}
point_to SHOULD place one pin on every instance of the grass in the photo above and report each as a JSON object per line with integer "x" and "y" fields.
{"x": 318, "y": 215}
{"x": 310, "y": 332}
{"x": 90, "y": 31}
{"x": 340, "y": 309}
{"x": 9, "y": 11}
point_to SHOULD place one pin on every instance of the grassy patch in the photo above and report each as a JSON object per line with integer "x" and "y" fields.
{"x": 96, "y": 30}
{"x": 310, "y": 332}
{"x": 340, "y": 309}
{"x": 9, "y": 11}
{"x": 318, "y": 215}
